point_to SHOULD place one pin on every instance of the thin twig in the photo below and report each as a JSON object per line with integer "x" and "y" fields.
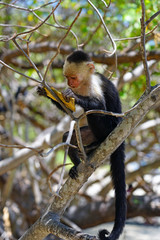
{"x": 65, "y": 155}
{"x": 58, "y": 48}
{"x": 28, "y": 58}
{"x": 63, "y": 27}
{"x": 44, "y": 5}
{"x": 42, "y": 20}
{"x": 135, "y": 38}
{"x": 152, "y": 17}
{"x": 105, "y": 27}
{"x": 143, "y": 50}
{"x": 101, "y": 112}
{"x": 122, "y": 115}
{"x": 50, "y": 175}
{"x": 26, "y": 9}
{"x": 14, "y": 6}
{"x": 14, "y": 25}
{"x": 56, "y": 26}
{"x": 92, "y": 33}
{"x": 56, "y": 147}
{"x": 40, "y": 152}
{"x": 110, "y": 36}
{"x": 79, "y": 140}
{"x": 12, "y": 69}
{"x": 20, "y": 147}
{"x": 107, "y": 6}
{"x": 39, "y": 25}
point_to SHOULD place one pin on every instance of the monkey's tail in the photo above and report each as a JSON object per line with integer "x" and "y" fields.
{"x": 118, "y": 178}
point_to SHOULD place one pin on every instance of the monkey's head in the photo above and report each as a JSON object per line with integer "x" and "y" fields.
{"x": 78, "y": 69}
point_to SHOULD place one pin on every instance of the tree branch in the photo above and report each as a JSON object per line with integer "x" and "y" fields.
{"x": 143, "y": 49}
{"x": 131, "y": 57}
{"x": 152, "y": 17}
{"x": 85, "y": 169}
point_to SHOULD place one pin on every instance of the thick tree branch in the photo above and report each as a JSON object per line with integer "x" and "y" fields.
{"x": 85, "y": 169}
{"x": 137, "y": 72}
{"x": 131, "y": 176}
{"x": 102, "y": 212}
{"x": 143, "y": 49}
{"x": 47, "y": 138}
{"x": 132, "y": 57}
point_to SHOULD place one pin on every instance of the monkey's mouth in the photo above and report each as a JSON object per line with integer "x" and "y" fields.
{"x": 73, "y": 85}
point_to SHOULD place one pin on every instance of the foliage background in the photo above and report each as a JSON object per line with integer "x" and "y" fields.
{"x": 25, "y": 117}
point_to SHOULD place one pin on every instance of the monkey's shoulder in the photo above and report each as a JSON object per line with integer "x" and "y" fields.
{"x": 107, "y": 85}
{"x": 110, "y": 93}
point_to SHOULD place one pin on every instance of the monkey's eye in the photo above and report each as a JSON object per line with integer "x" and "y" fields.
{"x": 73, "y": 78}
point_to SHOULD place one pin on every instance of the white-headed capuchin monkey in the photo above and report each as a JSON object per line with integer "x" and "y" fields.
{"x": 92, "y": 90}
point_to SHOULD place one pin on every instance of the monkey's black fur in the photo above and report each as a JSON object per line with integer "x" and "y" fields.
{"x": 78, "y": 57}
{"x": 102, "y": 126}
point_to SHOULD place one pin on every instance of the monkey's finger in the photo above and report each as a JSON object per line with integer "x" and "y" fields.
{"x": 41, "y": 91}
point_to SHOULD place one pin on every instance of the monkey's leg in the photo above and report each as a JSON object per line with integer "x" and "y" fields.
{"x": 87, "y": 138}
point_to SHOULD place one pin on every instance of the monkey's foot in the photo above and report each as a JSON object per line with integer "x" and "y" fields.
{"x": 73, "y": 172}
{"x": 80, "y": 155}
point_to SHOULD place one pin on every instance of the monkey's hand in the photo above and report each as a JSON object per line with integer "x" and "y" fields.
{"x": 41, "y": 91}
{"x": 67, "y": 94}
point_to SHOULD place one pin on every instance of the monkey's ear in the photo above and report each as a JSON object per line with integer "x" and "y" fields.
{"x": 91, "y": 67}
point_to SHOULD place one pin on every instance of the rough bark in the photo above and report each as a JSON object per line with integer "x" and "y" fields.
{"x": 131, "y": 57}
{"x": 102, "y": 211}
{"x": 50, "y": 221}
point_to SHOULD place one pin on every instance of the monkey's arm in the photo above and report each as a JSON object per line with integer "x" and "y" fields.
{"x": 42, "y": 92}
{"x": 88, "y": 103}
{"x": 102, "y": 125}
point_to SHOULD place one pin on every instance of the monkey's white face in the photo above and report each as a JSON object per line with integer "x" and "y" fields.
{"x": 78, "y": 75}
{"x": 73, "y": 81}
{"x": 82, "y": 80}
